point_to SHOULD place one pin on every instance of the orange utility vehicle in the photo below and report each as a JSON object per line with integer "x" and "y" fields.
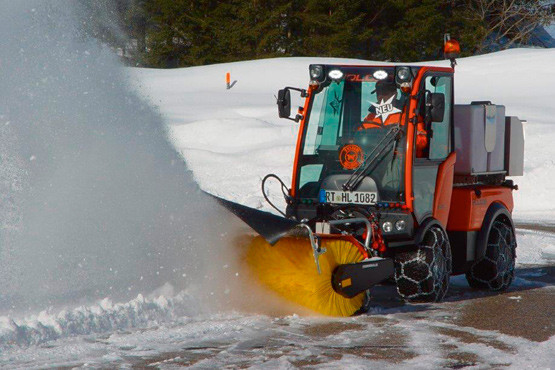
{"x": 386, "y": 161}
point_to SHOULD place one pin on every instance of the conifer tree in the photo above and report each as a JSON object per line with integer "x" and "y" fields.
{"x": 177, "y": 33}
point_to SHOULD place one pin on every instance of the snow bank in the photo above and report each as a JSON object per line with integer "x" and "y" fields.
{"x": 232, "y": 138}
{"x": 104, "y": 316}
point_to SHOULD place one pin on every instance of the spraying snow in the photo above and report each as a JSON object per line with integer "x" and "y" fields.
{"x": 96, "y": 203}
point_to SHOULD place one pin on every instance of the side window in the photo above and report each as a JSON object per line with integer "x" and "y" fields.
{"x": 312, "y": 131}
{"x": 439, "y": 140}
{"x": 326, "y": 106}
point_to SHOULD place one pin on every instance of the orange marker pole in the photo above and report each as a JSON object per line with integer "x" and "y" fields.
{"x": 228, "y": 79}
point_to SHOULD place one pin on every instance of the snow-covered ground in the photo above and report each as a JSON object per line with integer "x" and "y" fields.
{"x": 390, "y": 339}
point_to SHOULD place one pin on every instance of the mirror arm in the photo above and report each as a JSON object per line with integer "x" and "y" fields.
{"x": 297, "y": 118}
{"x": 303, "y": 92}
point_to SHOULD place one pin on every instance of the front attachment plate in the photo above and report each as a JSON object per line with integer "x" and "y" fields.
{"x": 351, "y": 279}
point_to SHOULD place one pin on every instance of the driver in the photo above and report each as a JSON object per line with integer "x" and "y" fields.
{"x": 388, "y": 111}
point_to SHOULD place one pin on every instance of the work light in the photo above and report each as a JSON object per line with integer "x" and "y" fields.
{"x": 335, "y": 74}
{"x": 316, "y": 72}
{"x": 403, "y": 75}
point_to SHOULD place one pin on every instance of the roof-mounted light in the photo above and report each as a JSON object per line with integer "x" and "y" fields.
{"x": 403, "y": 74}
{"x": 403, "y": 78}
{"x": 451, "y": 49}
{"x": 335, "y": 74}
{"x": 317, "y": 72}
{"x": 380, "y": 74}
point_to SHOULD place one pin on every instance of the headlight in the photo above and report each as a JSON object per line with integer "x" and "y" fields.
{"x": 403, "y": 75}
{"x": 387, "y": 227}
{"x": 400, "y": 225}
{"x": 316, "y": 72}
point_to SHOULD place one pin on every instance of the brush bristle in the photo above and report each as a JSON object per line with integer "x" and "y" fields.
{"x": 288, "y": 268}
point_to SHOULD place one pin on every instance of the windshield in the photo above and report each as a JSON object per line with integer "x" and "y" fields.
{"x": 348, "y": 122}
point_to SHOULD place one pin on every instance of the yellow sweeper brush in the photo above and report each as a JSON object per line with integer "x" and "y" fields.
{"x": 288, "y": 269}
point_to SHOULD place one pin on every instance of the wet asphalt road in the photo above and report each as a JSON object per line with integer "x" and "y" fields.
{"x": 469, "y": 329}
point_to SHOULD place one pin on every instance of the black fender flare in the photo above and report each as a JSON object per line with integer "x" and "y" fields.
{"x": 424, "y": 227}
{"x": 494, "y": 211}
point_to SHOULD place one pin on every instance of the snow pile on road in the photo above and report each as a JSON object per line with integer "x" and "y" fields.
{"x": 102, "y": 317}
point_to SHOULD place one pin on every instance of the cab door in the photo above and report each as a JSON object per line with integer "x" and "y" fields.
{"x": 433, "y": 170}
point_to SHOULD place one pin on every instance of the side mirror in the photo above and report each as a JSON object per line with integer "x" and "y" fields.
{"x": 284, "y": 103}
{"x": 435, "y": 107}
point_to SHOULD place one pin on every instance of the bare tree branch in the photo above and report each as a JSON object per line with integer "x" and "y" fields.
{"x": 510, "y": 22}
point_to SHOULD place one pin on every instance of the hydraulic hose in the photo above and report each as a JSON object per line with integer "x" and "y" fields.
{"x": 284, "y": 190}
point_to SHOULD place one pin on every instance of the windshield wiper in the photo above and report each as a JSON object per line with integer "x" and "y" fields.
{"x": 376, "y": 154}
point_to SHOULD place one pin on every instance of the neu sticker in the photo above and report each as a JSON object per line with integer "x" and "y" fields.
{"x": 385, "y": 108}
{"x": 351, "y": 156}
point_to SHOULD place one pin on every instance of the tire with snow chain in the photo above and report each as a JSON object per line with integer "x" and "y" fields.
{"x": 423, "y": 274}
{"x": 495, "y": 271}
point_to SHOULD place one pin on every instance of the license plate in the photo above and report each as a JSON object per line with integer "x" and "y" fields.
{"x": 350, "y": 197}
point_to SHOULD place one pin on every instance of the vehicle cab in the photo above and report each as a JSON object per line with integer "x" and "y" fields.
{"x": 376, "y": 142}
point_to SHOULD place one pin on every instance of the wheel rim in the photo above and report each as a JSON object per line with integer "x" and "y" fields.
{"x": 435, "y": 254}
{"x": 495, "y": 269}
{"x": 505, "y": 262}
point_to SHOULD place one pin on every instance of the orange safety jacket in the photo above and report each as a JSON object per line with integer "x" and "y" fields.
{"x": 371, "y": 121}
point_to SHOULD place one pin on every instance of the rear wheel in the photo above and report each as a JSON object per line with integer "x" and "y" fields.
{"x": 495, "y": 271}
{"x": 423, "y": 274}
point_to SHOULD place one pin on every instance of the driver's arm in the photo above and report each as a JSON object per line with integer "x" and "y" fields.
{"x": 421, "y": 139}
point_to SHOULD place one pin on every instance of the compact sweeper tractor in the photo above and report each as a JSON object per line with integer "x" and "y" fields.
{"x": 391, "y": 182}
